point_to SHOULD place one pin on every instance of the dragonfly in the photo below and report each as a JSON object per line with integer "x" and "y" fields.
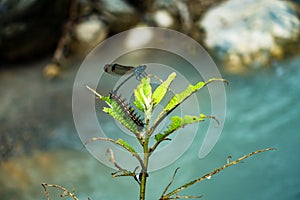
{"x": 120, "y": 70}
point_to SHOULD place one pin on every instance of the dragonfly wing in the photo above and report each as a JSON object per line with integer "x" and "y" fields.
{"x": 118, "y": 70}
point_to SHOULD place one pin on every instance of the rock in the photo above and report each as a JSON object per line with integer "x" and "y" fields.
{"x": 52, "y": 70}
{"x": 166, "y": 15}
{"x": 250, "y": 32}
{"x": 30, "y": 28}
{"x": 180, "y": 15}
{"x": 88, "y": 33}
{"x": 163, "y": 19}
{"x": 142, "y": 6}
{"x": 296, "y": 1}
{"x": 120, "y": 16}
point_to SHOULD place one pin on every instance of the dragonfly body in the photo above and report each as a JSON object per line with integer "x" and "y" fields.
{"x": 120, "y": 70}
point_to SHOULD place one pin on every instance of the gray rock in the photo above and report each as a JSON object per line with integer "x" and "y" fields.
{"x": 119, "y": 15}
{"x": 88, "y": 33}
{"x": 250, "y": 32}
{"x": 29, "y": 28}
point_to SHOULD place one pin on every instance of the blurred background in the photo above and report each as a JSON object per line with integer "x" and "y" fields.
{"x": 255, "y": 44}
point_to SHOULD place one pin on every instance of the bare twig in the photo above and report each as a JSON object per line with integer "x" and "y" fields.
{"x": 136, "y": 155}
{"x": 65, "y": 38}
{"x": 171, "y": 181}
{"x": 94, "y": 91}
{"x": 156, "y": 77}
{"x": 123, "y": 172}
{"x": 185, "y": 197}
{"x": 209, "y": 175}
{"x": 53, "y": 69}
{"x": 112, "y": 159}
{"x": 214, "y": 118}
{"x": 64, "y": 194}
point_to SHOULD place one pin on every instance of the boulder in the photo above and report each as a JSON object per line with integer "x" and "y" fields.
{"x": 245, "y": 33}
{"x": 30, "y": 28}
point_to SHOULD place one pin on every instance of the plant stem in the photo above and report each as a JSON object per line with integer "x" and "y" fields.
{"x": 144, "y": 178}
{"x": 145, "y": 163}
{"x": 144, "y": 171}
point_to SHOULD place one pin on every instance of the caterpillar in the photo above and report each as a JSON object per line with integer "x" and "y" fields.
{"x": 128, "y": 111}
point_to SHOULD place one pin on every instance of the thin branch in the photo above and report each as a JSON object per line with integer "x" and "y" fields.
{"x": 214, "y": 118}
{"x": 156, "y": 77}
{"x": 112, "y": 159}
{"x": 209, "y": 175}
{"x": 45, "y": 190}
{"x": 123, "y": 172}
{"x": 65, "y": 38}
{"x": 186, "y": 197}
{"x": 64, "y": 194}
{"x": 94, "y": 91}
{"x": 171, "y": 181}
{"x": 136, "y": 155}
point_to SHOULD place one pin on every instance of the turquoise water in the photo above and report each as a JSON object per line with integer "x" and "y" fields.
{"x": 262, "y": 111}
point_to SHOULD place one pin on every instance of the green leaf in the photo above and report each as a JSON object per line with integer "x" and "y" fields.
{"x": 139, "y": 101}
{"x": 179, "y": 98}
{"x": 143, "y": 96}
{"x": 126, "y": 145}
{"x": 106, "y": 99}
{"x": 159, "y": 137}
{"x": 178, "y": 122}
{"x": 162, "y": 89}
